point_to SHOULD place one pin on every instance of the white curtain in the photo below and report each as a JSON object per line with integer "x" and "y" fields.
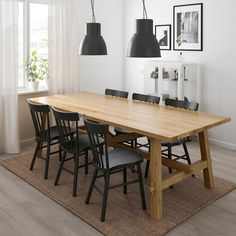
{"x": 63, "y": 43}
{"x": 9, "y": 130}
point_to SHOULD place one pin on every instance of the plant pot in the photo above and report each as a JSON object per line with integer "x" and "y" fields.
{"x": 34, "y": 85}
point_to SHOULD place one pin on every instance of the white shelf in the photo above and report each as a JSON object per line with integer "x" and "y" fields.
{"x": 186, "y": 84}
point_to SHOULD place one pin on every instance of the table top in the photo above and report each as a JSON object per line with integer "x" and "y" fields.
{"x": 156, "y": 121}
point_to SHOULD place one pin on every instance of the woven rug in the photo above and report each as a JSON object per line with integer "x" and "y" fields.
{"x": 124, "y": 214}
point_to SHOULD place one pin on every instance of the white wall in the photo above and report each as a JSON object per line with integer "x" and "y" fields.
{"x": 217, "y": 61}
{"x": 100, "y": 72}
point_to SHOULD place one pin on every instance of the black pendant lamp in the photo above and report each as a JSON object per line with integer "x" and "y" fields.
{"x": 93, "y": 42}
{"x": 144, "y": 42}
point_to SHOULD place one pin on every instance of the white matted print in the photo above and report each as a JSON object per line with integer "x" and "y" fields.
{"x": 163, "y": 35}
{"x": 188, "y": 27}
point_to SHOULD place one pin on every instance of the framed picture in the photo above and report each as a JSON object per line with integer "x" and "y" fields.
{"x": 163, "y": 35}
{"x": 187, "y": 23}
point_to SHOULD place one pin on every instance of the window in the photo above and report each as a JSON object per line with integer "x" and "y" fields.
{"x": 33, "y": 34}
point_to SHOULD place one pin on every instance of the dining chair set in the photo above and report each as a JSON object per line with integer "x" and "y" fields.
{"x": 74, "y": 145}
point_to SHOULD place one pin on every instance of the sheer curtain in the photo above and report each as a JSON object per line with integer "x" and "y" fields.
{"x": 63, "y": 42}
{"x": 9, "y": 130}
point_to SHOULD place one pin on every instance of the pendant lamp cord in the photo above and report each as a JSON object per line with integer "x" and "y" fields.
{"x": 93, "y": 13}
{"x": 144, "y": 10}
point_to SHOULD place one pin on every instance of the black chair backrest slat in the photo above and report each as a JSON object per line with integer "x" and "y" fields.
{"x": 41, "y": 121}
{"x": 146, "y": 98}
{"x": 116, "y": 93}
{"x": 97, "y": 135}
{"x": 193, "y": 106}
{"x": 67, "y": 124}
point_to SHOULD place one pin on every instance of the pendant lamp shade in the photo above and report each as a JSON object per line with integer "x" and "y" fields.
{"x": 93, "y": 42}
{"x": 144, "y": 43}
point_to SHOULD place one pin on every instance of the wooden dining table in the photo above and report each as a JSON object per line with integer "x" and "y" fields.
{"x": 159, "y": 123}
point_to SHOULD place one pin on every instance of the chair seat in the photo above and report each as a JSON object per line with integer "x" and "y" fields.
{"x": 122, "y": 131}
{"x": 120, "y": 157}
{"x": 176, "y": 143}
{"x": 71, "y": 147}
{"x": 53, "y": 134}
{"x": 171, "y": 144}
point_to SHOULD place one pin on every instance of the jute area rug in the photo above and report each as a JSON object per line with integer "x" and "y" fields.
{"x": 124, "y": 214}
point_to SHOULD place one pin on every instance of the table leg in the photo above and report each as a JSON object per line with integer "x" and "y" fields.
{"x": 205, "y": 155}
{"x": 155, "y": 187}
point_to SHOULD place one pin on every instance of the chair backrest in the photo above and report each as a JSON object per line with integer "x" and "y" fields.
{"x": 97, "y": 136}
{"x": 146, "y": 98}
{"x": 68, "y": 129}
{"x": 193, "y": 106}
{"x": 116, "y": 93}
{"x": 40, "y": 117}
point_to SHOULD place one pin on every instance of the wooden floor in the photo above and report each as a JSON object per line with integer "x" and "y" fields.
{"x": 26, "y": 211}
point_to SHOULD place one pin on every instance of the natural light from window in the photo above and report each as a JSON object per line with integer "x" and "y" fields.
{"x": 21, "y": 82}
{"x": 39, "y": 29}
{"x": 33, "y": 34}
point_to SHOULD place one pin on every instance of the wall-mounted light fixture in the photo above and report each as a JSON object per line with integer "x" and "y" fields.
{"x": 93, "y": 42}
{"x": 144, "y": 42}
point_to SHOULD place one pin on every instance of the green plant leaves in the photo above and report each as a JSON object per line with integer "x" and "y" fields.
{"x": 36, "y": 67}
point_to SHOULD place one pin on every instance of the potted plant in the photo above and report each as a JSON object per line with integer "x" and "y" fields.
{"x": 36, "y": 69}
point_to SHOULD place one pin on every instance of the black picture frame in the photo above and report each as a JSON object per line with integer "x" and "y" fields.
{"x": 188, "y": 27}
{"x": 163, "y": 35}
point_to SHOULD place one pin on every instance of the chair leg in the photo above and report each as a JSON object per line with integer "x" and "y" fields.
{"x": 86, "y": 162}
{"x": 60, "y": 151}
{"x": 95, "y": 173}
{"x": 136, "y": 142}
{"x": 147, "y": 168}
{"x": 47, "y": 160}
{"x": 76, "y": 164}
{"x": 170, "y": 157}
{"x": 186, "y": 153}
{"x": 60, "y": 168}
{"x": 141, "y": 187}
{"x": 148, "y": 162}
{"x": 101, "y": 149}
{"x": 125, "y": 180}
{"x": 132, "y": 143}
{"x": 35, "y": 155}
{"x": 105, "y": 194}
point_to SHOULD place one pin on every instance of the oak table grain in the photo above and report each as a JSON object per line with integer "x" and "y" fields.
{"x": 159, "y": 123}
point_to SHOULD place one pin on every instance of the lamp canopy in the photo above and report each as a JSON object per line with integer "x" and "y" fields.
{"x": 144, "y": 42}
{"x": 93, "y": 42}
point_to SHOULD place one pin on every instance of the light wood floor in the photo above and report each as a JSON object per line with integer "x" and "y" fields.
{"x": 25, "y": 211}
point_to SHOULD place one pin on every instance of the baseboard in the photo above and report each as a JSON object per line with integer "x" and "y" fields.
{"x": 26, "y": 141}
{"x": 223, "y": 144}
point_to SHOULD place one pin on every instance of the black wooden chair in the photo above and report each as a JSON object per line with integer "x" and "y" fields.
{"x": 44, "y": 133}
{"x": 146, "y": 98}
{"x": 169, "y": 145}
{"x": 109, "y": 162}
{"x": 116, "y": 93}
{"x": 71, "y": 142}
